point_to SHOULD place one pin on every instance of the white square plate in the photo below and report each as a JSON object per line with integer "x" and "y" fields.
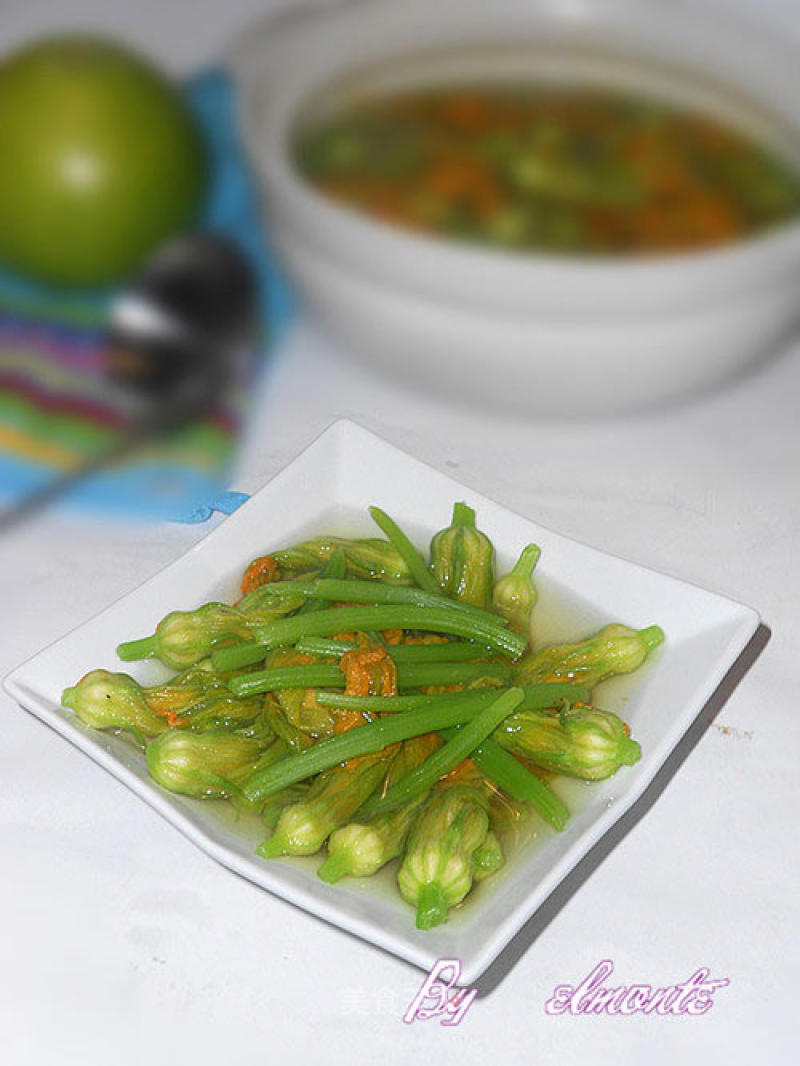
{"x": 327, "y": 489}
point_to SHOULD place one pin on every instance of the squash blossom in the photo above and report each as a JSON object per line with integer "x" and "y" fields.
{"x": 437, "y": 869}
{"x": 514, "y": 595}
{"x": 462, "y": 559}
{"x": 104, "y": 700}
{"x": 615, "y": 649}
{"x": 202, "y": 764}
{"x": 585, "y": 742}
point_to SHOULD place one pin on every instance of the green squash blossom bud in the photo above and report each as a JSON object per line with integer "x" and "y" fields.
{"x": 615, "y": 649}
{"x": 586, "y": 743}
{"x": 183, "y": 638}
{"x": 202, "y": 764}
{"x": 334, "y": 798}
{"x": 271, "y": 601}
{"x": 514, "y": 595}
{"x": 360, "y": 849}
{"x": 462, "y": 559}
{"x": 104, "y": 700}
{"x": 271, "y": 810}
{"x": 437, "y": 870}
{"x": 488, "y": 858}
{"x": 366, "y": 558}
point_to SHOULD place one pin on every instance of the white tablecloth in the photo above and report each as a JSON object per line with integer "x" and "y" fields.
{"x": 121, "y": 943}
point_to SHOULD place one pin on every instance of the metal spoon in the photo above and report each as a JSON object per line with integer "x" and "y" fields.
{"x": 178, "y": 336}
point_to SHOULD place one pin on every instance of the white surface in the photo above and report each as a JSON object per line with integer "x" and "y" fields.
{"x": 328, "y": 489}
{"x": 122, "y": 943}
{"x": 633, "y": 330}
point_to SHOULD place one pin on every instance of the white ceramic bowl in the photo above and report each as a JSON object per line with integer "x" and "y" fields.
{"x": 541, "y": 333}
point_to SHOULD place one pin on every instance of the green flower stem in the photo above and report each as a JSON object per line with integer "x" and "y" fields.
{"x": 463, "y": 515}
{"x": 409, "y": 675}
{"x": 324, "y": 645}
{"x": 282, "y": 677}
{"x": 454, "y": 652}
{"x": 339, "y": 619}
{"x": 546, "y": 694}
{"x": 459, "y": 747}
{"x": 374, "y": 736}
{"x": 132, "y": 650}
{"x": 335, "y": 867}
{"x": 394, "y": 704}
{"x": 526, "y": 564}
{"x": 512, "y": 777}
{"x": 278, "y": 590}
{"x": 373, "y": 592}
{"x": 336, "y": 568}
{"x": 432, "y": 905}
{"x": 418, "y": 675}
{"x": 411, "y": 557}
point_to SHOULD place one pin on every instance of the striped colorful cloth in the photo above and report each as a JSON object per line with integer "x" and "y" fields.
{"x": 55, "y": 404}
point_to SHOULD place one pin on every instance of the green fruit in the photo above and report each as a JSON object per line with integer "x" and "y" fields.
{"x": 101, "y": 161}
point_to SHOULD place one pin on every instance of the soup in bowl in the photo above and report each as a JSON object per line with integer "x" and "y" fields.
{"x": 558, "y": 208}
{"x": 556, "y": 170}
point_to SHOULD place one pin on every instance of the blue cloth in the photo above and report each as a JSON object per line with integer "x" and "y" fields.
{"x": 234, "y": 199}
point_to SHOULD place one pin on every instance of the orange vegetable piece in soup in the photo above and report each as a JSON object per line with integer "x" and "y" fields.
{"x": 261, "y": 571}
{"x": 369, "y": 672}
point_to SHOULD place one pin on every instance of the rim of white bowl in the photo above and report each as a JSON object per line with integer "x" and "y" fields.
{"x": 499, "y": 279}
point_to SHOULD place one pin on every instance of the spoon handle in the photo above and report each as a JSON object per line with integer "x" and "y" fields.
{"x": 163, "y": 418}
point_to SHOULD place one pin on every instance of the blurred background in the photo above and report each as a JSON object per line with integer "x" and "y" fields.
{"x": 161, "y": 29}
